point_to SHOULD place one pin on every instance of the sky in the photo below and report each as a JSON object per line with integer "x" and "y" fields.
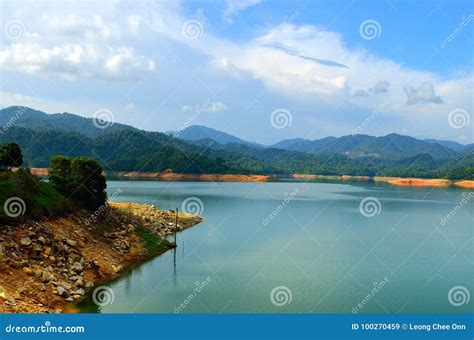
{"x": 263, "y": 70}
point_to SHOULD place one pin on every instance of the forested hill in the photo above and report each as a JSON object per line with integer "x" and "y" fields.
{"x": 22, "y": 116}
{"x": 128, "y": 149}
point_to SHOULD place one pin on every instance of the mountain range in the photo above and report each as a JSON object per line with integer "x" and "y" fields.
{"x": 199, "y": 149}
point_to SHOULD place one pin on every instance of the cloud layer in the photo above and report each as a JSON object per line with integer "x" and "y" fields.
{"x": 329, "y": 87}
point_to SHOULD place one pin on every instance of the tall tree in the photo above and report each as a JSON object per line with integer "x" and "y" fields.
{"x": 10, "y": 156}
{"x": 79, "y": 179}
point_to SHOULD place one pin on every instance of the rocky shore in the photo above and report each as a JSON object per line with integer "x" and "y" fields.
{"x": 171, "y": 176}
{"x": 45, "y": 265}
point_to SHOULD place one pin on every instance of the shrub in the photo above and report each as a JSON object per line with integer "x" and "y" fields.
{"x": 79, "y": 179}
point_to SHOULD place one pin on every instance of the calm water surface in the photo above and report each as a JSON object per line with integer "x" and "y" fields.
{"x": 328, "y": 256}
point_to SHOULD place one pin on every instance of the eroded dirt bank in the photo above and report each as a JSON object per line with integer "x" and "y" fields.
{"x": 46, "y": 264}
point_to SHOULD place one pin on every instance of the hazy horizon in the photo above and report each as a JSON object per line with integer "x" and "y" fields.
{"x": 251, "y": 141}
{"x": 261, "y": 70}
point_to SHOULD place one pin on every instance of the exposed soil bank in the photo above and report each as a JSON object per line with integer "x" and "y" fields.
{"x": 45, "y": 265}
{"x": 171, "y": 176}
{"x": 416, "y": 182}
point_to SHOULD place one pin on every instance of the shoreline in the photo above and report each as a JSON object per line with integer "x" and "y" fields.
{"x": 56, "y": 263}
{"x": 171, "y": 176}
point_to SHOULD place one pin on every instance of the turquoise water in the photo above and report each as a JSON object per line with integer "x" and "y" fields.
{"x": 318, "y": 253}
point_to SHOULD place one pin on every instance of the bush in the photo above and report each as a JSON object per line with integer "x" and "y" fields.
{"x": 28, "y": 196}
{"x": 79, "y": 179}
{"x": 10, "y": 156}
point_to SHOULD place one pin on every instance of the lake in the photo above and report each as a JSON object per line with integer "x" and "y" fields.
{"x": 304, "y": 247}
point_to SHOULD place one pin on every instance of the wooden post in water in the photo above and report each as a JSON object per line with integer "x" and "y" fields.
{"x": 176, "y": 226}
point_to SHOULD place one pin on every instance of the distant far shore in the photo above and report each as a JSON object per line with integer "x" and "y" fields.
{"x": 171, "y": 176}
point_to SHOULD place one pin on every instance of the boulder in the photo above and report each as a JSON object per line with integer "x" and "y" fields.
{"x": 26, "y": 241}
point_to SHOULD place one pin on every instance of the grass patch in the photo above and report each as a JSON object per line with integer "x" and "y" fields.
{"x": 153, "y": 243}
{"x": 33, "y": 198}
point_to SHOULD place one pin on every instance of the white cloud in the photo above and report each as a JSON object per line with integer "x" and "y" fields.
{"x": 208, "y": 107}
{"x": 213, "y": 107}
{"x": 74, "y": 41}
{"x": 70, "y": 61}
{"x": 422, "y": 95}
{"x": 234, "y": 7}
{"x": 380, "y": 87}
{"x": 117, "y": 41}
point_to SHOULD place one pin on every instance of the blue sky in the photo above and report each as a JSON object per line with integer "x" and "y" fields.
{"x": 262, "y": 70}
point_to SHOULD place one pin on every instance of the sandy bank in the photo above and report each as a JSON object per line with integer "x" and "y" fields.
{"x": 326, "y": 177}
{"x": 465, "y": 184}
{"x": 418, "y": 182}
{"x": 46, "y": 265}
{"x": 171, "y": 176}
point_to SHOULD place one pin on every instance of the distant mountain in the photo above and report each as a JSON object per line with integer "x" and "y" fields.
{"x": 34, "y": 119}
{"x": 455, "y": 146}
{"x": 124, "y": 148}
{"x": 303, "y": 145}
{"x": 199, "y": 132}
{"x": 355, "y": 146}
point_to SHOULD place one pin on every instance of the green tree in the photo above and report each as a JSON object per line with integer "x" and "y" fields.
{"x": 10, "y": 156}
{"x": 60, "y": 174}
{"x": 79, "y": 179}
